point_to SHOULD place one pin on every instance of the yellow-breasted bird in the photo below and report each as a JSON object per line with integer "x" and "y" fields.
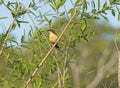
{"x": 53, "y": 37}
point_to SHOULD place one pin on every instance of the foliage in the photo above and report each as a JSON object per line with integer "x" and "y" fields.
{"x": 19, "y": 61}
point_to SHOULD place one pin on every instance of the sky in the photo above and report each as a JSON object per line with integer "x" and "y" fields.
{"x": 18, "y": 32}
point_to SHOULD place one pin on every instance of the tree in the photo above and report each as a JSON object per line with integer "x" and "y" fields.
{"x": 35, "y": 63}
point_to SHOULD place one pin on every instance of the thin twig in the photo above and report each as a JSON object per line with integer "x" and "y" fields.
{"x": 66, "y": 12}
{"x": 11, "y": 62}
{"x": 115, "y": 42}
{"x": 118, "y": 53}
{"x": 35, "y": 24}
{"x": 7, "y": 34}
{"x": 9, "y": 30}
{"x": 48, "y": 53}
{"x": 58, "y": 73}
{"x": 65, "y": 63}
{"x": 111, "y": 83}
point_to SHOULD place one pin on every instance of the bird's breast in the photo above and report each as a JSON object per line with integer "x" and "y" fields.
{"x": 53, "y": 38}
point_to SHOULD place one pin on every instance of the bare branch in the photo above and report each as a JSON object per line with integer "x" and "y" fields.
{"x": 102, "y": 69}
{"x": 118, "y": 52}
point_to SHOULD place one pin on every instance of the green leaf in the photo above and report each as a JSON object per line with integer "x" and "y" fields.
{"x": 23, "y": 21}
{"x": 22, "y": 39}
{"x": 13, "y": 26}
{"x": 84, "y": 26}
{"x": 86, "y": 15}
{"x": 32, "y": 5}
{"x": 90, "y": 34}
{"x": 63, "y": 13}
{"x": 18, "y": 23}
{"x": 92, "y": 71}
{"x": 30, "y": 33}
{"x": 108, "y": 76}
{"x": 46, "y": 19}
{"x": 85, "y": 6}
{"x": 35, "y": 34}
{"x": 82, "y": 67}
{"x": 6, "y": 58}
{"x": 113, "y": 12}
{"x": 32, "y": 13}
{"x": 60, "y": 3}
{"x": 104, "y": 17}
{"x": 71, "y": 11}
{"x": 14, "y": 41}
{"x": 93, "y": 4}
{"x": 77, "y": 12}
{"x": 40, "y": 14}
{"x": 94, "y": 11}
{"x": 50, "y": 21}
{"x": 118, "y": 16}
{"x": 1, "y": 3}
{"x": 118, "y": 9}
{"x": 25, "y": 46}
{"x": 53, "y": 7}
{"x": 21, "y": 13}
{"x": 3, "y": 18}
{"x": 98, "y": 4}
{"x": 105, "y": 5}
{"x": 111, "y": 1}
{"x": 77, "y": 2}
{"x": 14, "y": 12}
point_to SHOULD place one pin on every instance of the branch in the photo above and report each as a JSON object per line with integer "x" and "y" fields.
{"x": 65, "y": 62}
{"x": 118, "y": 52}
{"x": 7, "y": 34}
{"x": 48, "y": 53}
{"x": 9, "y": 29}
{"x": 102, "y": 69}
{"x": 34, "y": 23}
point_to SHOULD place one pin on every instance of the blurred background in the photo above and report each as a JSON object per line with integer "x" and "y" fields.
{"x": 87, "y": 57}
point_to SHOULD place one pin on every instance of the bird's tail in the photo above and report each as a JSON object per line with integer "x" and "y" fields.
{"x": 57, "y": 46}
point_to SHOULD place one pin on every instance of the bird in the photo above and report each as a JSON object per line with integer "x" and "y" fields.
{"x": 53, "y": 37}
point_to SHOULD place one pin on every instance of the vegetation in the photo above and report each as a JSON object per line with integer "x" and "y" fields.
{"x": 87, "y": 57}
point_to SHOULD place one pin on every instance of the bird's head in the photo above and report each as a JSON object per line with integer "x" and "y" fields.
{"x": 51, "y": 30}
